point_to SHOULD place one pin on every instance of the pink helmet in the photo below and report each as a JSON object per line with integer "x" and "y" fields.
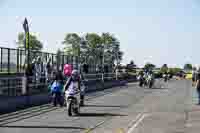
{"x": 67, "y": 69}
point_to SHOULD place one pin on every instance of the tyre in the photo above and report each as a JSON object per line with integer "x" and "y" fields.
{"x": 151, "y": 84}
{"x": 76, "y": 111}
{"x": 69, "y": 108}
{"x": 82, "y": 100}
{"x": 140, "y": 84}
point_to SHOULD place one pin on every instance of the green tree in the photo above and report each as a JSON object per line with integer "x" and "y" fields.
{"x": 188, "y": 66}
{"x": 174, "y": 71}
{"x": 34, "y": 43}
{"x": 72, "y": 43}
{"x": 111, "y": 46}
{"x": 149, "y": 66}
{"x": 94, "y": 43}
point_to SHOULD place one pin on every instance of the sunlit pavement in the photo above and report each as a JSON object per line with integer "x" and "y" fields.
{"x": 170, "y": 109}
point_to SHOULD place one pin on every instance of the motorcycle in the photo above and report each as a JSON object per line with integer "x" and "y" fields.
{"x": 141, "y": 80}
{"x": 165, "y": 78}
{"x": 150, "y": 81}
{"x": 72, "y": 102}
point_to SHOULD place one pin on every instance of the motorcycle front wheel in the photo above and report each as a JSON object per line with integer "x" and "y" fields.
{"x": 76, "y": 111}
{"x": 150, "y": 84}
{"x": 69, "y": 108}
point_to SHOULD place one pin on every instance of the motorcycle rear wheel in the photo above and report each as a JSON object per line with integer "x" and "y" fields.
{"x": 150, "y": 85}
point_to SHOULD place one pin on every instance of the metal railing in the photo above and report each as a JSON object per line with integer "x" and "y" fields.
{"x": 17, "y": 86}
{"x": 14, "y": 60}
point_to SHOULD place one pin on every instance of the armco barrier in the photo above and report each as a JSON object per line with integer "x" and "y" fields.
{"x": 10, "y": 104}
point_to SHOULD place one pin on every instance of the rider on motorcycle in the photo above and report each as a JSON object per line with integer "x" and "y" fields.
{"x": 74, "y": 84}
{"x": 140, "y": 75}
{"x": 165, "y": 76}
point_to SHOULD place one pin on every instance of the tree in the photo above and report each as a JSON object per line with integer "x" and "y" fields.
{"x": 188, "y": 66}
{"x": 149, "y": 66}
{"x": 174, "y": 71}
{"x": 34, "y": 43}
{"x": 72, "y": 44}
{"x": 111, "y": 48}
{"x": 94, "y": 47}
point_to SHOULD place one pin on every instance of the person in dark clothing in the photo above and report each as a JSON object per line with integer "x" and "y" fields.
{"x": 56, "y": 89}
{"x": 85, "y": 68}
{"x": 198, "y": 86}
{"x": 60, "y": 76}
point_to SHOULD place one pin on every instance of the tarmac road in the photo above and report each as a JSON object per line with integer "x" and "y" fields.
{"x": 117, "y": 110}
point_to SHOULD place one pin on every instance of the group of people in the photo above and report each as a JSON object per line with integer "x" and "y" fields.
{"x": 146, "y": 78}
{"x": 70, "y": 80}
{"x": 39, "y": 71}
{"x": 58, "y": 81}
{"x": 146, "y": 73}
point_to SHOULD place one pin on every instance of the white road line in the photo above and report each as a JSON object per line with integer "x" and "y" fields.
{"x": 139, "y": 119}
{"x": 133, "y": 121}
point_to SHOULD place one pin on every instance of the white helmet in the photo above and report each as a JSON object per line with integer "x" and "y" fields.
{"x": 75, "y": 74}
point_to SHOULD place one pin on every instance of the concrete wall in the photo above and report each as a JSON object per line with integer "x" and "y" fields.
{"x": 10, "y": 104}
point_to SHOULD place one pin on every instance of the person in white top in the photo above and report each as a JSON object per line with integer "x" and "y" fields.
{"x": 73, "y": 83}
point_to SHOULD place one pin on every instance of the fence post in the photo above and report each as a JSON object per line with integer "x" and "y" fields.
{"x": 63, "y": 61}
{"x": 1, "y": 58}
{"x": 24, "y": 83}
{"x": 116, "y": 73}
{"x": 102, "y": 77}
{"x": 8, "y": 61}
{"x": 17, "y": 60}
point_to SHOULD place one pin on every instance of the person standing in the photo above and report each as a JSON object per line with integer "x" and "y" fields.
{"x": 198, "y": 85}
{"x": 38, "y": 71}
{"x": 194, "y": 76}
{"x": 48, "y": 70}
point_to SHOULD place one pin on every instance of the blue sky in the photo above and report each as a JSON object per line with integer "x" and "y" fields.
{"x": 159, "y": 31}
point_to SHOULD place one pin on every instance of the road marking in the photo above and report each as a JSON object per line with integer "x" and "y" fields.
{"x": 120, "y": 130}
{"x": 91, "y": 129}
{"x": 137, "y": 121}
{"x": 133, "y": 121}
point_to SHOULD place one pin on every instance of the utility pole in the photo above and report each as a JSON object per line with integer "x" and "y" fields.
{"x": 26, "y": 46}
{"x": 103, "y": 60}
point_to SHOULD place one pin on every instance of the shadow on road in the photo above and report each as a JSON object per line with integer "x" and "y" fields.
{"x": 50, "y": 127}
{"x": 99, "y": 114}
{"x": 109, "y": 106}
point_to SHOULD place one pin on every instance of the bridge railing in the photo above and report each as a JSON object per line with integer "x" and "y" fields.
{"x": 21, "y": 85}
{"x": 15, "y": 60}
